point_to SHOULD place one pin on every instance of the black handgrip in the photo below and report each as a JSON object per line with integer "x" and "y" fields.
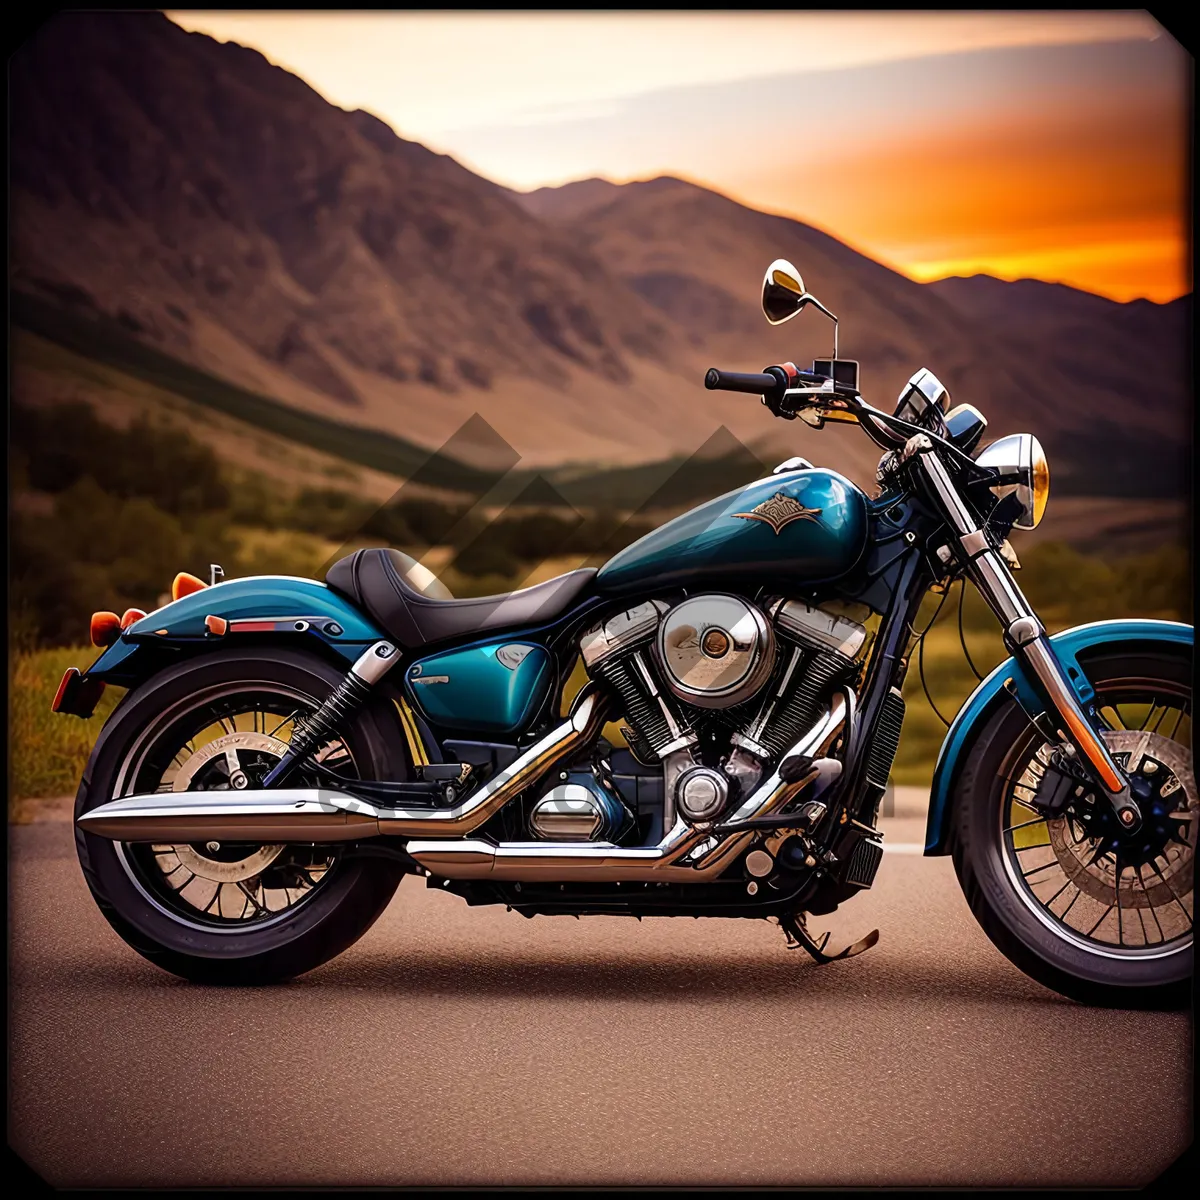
{"x": 740, "y": 381}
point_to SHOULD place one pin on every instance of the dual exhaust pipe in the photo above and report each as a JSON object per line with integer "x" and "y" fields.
{"x": 326, "y": 815}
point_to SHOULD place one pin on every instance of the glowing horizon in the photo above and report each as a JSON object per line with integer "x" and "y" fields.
{"x": 1021, "y": 145}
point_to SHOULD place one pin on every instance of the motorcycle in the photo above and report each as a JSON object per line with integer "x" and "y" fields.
{"x": 288, "y": 749}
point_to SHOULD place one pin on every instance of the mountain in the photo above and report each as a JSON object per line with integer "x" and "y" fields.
{"x": 1031, "y": 355}
{"x": 221, "y": 210}
{"x": 189, "y": 197}
{"x": 569, "y": 200}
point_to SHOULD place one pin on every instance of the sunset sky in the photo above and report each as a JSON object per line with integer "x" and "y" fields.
{"x": 1051, "y": 145}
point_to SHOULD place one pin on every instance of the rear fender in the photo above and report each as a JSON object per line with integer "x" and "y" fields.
{"x": 1072, "y": 646}
{"x": 235, "y": 612}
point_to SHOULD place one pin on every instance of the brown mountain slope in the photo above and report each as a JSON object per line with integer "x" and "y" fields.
{"x": 225, "y": 212}
{"x": 1031, "y": 355}
{"x": 570, "y": 200}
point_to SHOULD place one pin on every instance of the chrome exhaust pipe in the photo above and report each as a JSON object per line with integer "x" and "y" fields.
{"x": 279, "y": 815}
{"x": 686, "y": 854}
{"x": 327, "y": 815}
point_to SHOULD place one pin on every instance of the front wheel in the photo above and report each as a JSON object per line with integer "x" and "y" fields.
{"x": 1078, "y": 904}
{"x": 231, "y": 912}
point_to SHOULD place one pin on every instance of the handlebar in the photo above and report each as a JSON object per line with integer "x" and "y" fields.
{"x": 775, "y": 382}
{"x": 772, "y": 382}
{"x": 741, "y": 381}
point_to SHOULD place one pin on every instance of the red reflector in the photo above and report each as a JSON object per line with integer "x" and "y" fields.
{"x": 68, "y": 675}
{"x": 105, "y": 628}
{"x": 131, "y": 617}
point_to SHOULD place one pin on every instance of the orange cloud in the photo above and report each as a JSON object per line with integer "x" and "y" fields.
{"x": 1094, "y": 198}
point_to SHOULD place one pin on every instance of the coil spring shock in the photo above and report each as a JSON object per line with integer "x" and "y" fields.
{"x": 341, "y": 704}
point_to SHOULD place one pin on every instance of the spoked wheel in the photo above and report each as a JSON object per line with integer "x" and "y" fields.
{"x": 228, "y": 743}
{"x": 221, "y": 911}
{"x": 1075, "y": 900}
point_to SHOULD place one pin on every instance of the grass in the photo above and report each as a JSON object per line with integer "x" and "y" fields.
{"x": 674, "y": 482}
{"x": 104, "y": 341}
{"x": 47, "y": 751}
{"x": 950, "y": 682}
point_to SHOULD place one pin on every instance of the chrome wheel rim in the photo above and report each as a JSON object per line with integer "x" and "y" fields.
{"x": 1111, "y": 895}
{"x": 225, "y": 739}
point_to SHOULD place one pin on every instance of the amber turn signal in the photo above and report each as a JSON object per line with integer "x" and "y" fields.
{"x": 106, "y": 628}
{"x": 131, "y": 617}
{"x": 184, "y": 585}
{"x": 216, "y": 625}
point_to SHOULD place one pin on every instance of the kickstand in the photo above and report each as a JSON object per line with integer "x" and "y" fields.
{"x": 796, "y": 928}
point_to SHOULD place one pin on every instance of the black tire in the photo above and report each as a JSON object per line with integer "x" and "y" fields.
{"x": 978, "y": 852}
{"x": 335, "y": 916}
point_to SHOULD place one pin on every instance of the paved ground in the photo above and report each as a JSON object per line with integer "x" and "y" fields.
{"x": 473, "y": 1046}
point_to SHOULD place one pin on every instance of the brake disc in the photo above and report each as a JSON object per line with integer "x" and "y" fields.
{"x": 1153, "y": 866}
{"x": 236, "y": 753}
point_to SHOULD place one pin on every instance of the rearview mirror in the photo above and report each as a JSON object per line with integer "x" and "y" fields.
{"x": 783, "y": 294}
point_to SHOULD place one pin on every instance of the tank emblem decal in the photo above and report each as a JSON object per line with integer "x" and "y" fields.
{"x": 513, "y": 655}
{"x": 778, "y": 511}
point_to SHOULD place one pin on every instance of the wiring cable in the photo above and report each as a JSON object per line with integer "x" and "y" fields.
{"x": 962, "y": 595}
{"x": 921, "y": 656}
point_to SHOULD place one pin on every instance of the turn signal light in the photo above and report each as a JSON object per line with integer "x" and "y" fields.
{"x": 131, "y": 617}
{"x": 184, "y": 585}
{"x": 106, "y": 628}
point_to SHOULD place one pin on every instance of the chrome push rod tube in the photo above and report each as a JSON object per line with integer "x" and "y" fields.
{"x": 686, "y": 854}
{"x": 1024, "y": 631}
{"x": 327, "y": 815}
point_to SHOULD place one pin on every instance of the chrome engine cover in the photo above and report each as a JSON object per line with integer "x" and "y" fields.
{"x": 701, "y": 793}
{"x": 715, "y": 650}
{"x": 583, "y": 809}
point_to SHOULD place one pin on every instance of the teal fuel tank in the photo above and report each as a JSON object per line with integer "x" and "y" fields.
{"x": 493, "y": 688}
{"x": 805, "y": 526}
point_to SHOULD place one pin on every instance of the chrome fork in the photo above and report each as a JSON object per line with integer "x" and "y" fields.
{"x": 1025, "y": 634}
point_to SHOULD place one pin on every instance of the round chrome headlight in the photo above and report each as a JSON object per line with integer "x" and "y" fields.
{"x": 1023, "y": 469}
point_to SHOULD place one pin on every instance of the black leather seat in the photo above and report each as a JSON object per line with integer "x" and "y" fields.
{"x": 403, "y": 597}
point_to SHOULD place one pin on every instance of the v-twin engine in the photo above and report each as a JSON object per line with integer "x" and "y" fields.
{"x": 716, "y": 688}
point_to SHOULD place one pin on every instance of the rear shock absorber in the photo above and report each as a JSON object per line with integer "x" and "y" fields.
{"x": 341, "y": 704}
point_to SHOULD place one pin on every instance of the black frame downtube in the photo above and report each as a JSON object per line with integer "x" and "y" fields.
{"x": 884, "y": 671}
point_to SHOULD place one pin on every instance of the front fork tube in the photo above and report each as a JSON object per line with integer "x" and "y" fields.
{"x": 1027, "y": 639}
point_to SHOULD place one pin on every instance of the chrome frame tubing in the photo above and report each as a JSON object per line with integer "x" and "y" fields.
{"x": 1024, "y": 631}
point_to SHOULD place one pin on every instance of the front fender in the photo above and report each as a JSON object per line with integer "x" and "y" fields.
{"x": 1069, "y": 645}
{"x": 258, "y": 606}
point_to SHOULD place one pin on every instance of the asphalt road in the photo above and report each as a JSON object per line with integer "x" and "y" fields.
{"x": 473, "y": 1046}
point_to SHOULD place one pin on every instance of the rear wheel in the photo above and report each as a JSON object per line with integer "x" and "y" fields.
{"x": 222, "y": 912}
{"x": 1074, "y": 901}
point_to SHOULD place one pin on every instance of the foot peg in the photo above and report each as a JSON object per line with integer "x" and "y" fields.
{"x": 796, "y": 929}
{"x": 434, "y": 783}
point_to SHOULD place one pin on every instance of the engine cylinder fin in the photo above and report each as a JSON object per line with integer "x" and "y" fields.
{"x": 793, "y": 704}
{"x": 649, "y": 714}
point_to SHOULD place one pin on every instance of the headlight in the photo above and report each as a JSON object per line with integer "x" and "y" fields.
{"x": 1024, "y": 470}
